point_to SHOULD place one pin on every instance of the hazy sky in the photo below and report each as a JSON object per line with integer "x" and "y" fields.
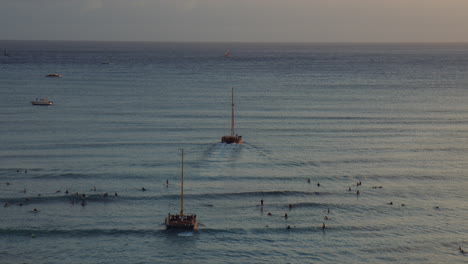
{"x": 236, "y": 20}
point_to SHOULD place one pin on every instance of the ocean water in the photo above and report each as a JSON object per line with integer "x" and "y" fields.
{"x": 393, "y": 117}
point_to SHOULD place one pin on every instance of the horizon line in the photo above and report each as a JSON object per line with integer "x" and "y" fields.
{"x": 243, "y": 42}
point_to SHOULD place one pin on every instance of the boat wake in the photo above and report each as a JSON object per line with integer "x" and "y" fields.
{"x": 219, "y": 154}
{"x": 185, "y": 234}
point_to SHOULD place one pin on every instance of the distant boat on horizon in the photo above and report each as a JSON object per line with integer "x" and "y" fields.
{"x": 54, "y": 75}
{"x": 232, "y": 138}
{"x": 227, "y": 53}
{"x": 42, "y": 101}
{"x": 181, "y": 221}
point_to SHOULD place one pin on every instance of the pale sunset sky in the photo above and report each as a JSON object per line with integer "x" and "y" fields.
{"x": 236, "y": 20}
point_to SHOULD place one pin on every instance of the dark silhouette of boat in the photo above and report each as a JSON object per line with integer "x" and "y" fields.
{"x": 232, "y": 138}
{"x": 54, "y": 75}
{"x": 181, "y": 221}
{"x": 42, "y": 101}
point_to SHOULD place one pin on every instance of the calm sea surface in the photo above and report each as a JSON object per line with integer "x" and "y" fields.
{"x": 391, "y": 116}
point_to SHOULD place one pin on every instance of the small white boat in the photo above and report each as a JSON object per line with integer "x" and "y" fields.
{"x": 42, "y": 101}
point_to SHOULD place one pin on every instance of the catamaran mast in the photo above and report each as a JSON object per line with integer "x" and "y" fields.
{"x": 182, "y": 187}
{"x": 232, "y": 113}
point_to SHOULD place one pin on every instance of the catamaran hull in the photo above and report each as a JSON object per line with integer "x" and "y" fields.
{"x": 231, "y": 139}
{"x": 186, "y": 222}
{"x": 42, "y": 103}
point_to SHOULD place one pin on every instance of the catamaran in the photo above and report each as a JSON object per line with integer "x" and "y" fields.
{"x": 232, "y": 138}
{"x": 182, "y": 221}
